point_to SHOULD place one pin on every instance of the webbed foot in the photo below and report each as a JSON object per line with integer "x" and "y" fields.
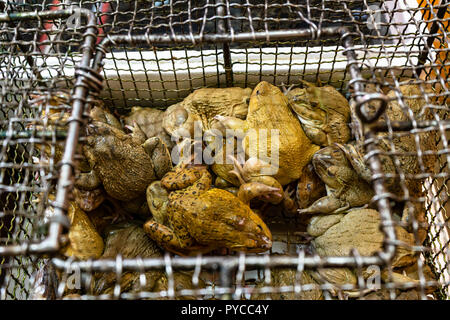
{"x": 289, "y": 202}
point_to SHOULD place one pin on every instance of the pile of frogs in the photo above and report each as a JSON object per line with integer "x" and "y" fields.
{"x": 131, "y": 198}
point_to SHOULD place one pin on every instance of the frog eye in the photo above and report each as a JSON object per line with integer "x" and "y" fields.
{"x": 257, "y": 92}
{"x": 260, "y": 227}
{"x": 247, "y": 101}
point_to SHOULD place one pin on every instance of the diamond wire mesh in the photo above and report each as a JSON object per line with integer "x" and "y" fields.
{"x": 165, "y": 74}
{"x": 36, "y": 62}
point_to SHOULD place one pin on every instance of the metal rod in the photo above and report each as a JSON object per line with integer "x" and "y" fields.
{"x": 222, "y": 27}
{"x": 211, "y": 263}
{"x": 26, "y": 134}
{"x": 154, "y": 39}
{"x": 387, "y": 225}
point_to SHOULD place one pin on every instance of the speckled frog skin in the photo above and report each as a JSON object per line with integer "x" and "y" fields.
{"x": 201, "y": 219}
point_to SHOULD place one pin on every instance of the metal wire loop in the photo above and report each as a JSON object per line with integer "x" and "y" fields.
{"x": 363, "y": 114}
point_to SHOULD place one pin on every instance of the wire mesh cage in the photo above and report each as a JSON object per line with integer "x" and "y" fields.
{"x": 36, "y": 122}
{"x": 388, "y": 58}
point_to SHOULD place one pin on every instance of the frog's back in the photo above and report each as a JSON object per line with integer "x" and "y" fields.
{"x": 269, "y": 109}
{"x": 219, "y": 202}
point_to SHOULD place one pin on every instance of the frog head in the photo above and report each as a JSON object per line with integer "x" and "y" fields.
{"x": 247, "y": 233}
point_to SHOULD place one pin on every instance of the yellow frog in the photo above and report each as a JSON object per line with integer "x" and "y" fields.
{"x": 201, "y": 219}
{"x": 269, "y": 110}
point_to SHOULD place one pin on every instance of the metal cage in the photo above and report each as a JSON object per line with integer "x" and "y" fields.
{"x": 154, "y": 53}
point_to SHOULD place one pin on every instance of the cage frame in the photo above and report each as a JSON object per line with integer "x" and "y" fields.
{"x": 83, "y": 81}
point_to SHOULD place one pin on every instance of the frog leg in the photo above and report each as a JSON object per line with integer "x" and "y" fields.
{"x": 238, "y": 171}
{"x": 167, "y": 238}
{"x": 157, "y": 150}
{"x": 88, "y": 181}
{"x": 260, "y": 186}
{"x": 325, "y": 205}
{"x": 251, "y": 190}
{"x": 316, "y": 135}
{"x": 182, "y": 178}
{"x": 286, "y": 91}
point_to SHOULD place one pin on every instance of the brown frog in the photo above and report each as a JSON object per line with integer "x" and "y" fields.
{"x": 54, "y": 116}
{"x": 150, "y": 121}
{"x": 201, "y": 219}
{"x": 206, "y": 103}
{"x": 323, "y": 112}
{"x": 89, "y": 200}
{"x": 360, "y": 229}
{"x": 130, "y": 241}
{"x": 269, "y": 110}
{"x": 406, "y": 149}
{"x": 124, "y": 164}
{"x": 99, "y": 113}
{"x": 177, "y": 122}
{"x": 345, "y": 189}
{"x": 157, "y": 200}
{"x": 309, "y": 188}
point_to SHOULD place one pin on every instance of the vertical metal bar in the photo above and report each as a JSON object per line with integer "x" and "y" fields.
{"x": 226, "y": 273}
{"x": 384, "y": 206}
{"x": 225, "y": 46}
{"x": 81, "y": 91}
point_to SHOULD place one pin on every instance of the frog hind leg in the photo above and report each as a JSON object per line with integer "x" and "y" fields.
{"x": 166, "y": 238}
{"x": 158, "y": 152}
{"x": 266, "y": 187}
{"x": 325, "y": 205}
{"x": 88, "y": 181}
{"x": 192, "y": 179}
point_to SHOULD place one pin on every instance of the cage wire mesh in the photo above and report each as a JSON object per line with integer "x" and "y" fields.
{"x": 37, "y": 78}
{"x": 401, "y": 48}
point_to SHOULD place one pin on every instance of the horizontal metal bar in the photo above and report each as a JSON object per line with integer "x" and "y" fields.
{"x": 26, "y": 134}
{"x": 276, "y": 35}
{"x": 216, "y": 263}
